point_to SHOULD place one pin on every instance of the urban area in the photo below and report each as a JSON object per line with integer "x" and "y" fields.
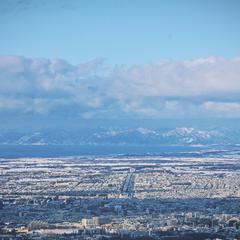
{"x": 120, "y": 197}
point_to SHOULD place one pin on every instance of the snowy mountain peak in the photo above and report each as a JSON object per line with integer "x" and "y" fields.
{"x": 146, "y": 131}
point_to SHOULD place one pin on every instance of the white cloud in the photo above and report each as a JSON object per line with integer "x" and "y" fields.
{"x": 229, "y": 109}
{"x": 199, "y": 87}
{"x": 40, "y": 85}
{"x": 180, "y": 79}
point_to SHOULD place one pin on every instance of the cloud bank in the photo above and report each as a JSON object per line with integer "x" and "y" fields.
{"x": 206, "y": 87}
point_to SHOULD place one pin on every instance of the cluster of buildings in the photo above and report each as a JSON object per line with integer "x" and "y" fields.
{"x": 120, "y": 198}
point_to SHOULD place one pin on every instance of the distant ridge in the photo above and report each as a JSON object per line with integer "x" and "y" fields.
{"x": 124, "y": 136}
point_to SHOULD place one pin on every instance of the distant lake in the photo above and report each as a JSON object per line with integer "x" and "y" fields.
{"x": 17, "y": 151}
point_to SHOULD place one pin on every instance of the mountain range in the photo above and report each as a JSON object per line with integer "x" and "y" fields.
{"x": 123, "y": 136}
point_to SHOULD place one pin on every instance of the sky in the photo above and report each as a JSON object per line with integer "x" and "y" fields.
{"x": 119, "y": 59}
{"x": 123, "y": 32}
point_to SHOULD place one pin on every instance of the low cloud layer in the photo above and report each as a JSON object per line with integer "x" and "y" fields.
{"x": 207, "y": 87}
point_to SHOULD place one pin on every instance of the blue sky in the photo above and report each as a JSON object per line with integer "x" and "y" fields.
{"x": 119, "y": 59}
{"x": 123, "y": 32}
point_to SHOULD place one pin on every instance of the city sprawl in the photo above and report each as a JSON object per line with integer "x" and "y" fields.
{"x": 114, "y": 197}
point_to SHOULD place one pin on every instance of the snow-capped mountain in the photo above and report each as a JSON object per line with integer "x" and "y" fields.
{"x": 124, "y": 136}
{"x": 192, "y": 135}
